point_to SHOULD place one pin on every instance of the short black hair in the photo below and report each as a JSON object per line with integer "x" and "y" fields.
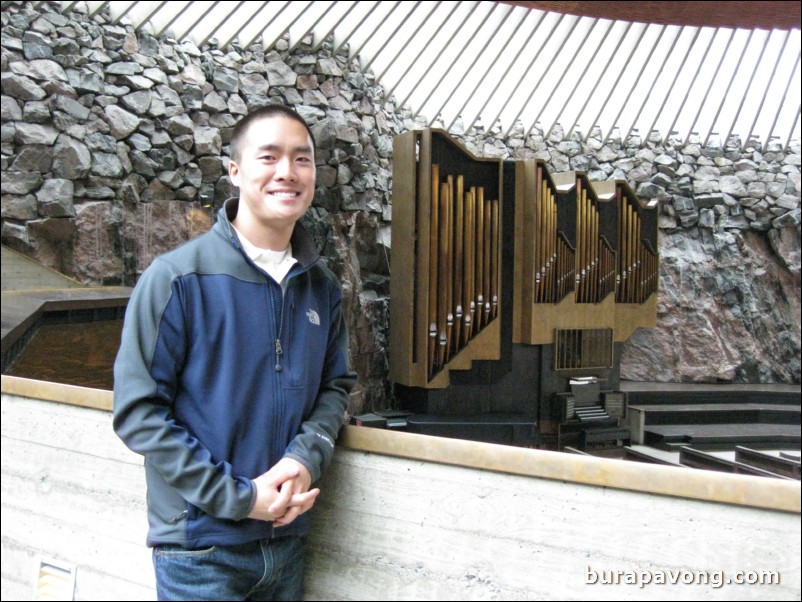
{"x": 265, "y": 112}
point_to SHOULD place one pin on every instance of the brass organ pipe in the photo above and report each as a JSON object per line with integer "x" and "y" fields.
{"x": 459, "y": 248}
{"x": 480, "y": 251}
{"x": 442, "y": 308}
{"x": 434, "y": 232}
{"x": 589, "y": 249}
{"x": 595, "y": 263}
{"x": 451, "y": 301}
{"x": 540, "y": 244}
{"x": 580, "y": 244}
{"x": 622, "y": 245}
{"x": 631, "y": 248}
{"x": 594, "y": 252}
{"x": 619, "y": 245}
{"x": 586, "y": 243}
{"x": 544, "y": 239}
{"x": 495, "y": 272}
{"x": 655, "y": 273}
{"x": 568, "y": 274}
{"x": 536, "y": 241}
{"x": 488, "y": 243}
{"x": 633, "y": 274}
{"x": 593, "y": 248}
{"x": 565, "y": 270}
{"x": 579, "y": 255}
{"x": 548, "y": 287}
{"x": 470, "y": 215}
{"x": 558, "y": 282}
{"x": 586, "y": 246}
{"x": 602, "y": 268}
{"x": 625, "y": 257}
{"x": 625, "y": 249}
{"x": 540, "y": 239}
{"x": 644, "y": 272}
{"x": 548, "y": 236}
{"x": 552, "y": 257}
{"x": 638, "y": 266}
{"x": 622, "y": 260}
{"x": 449, "y": 280}
{"x": 545, "y": 234}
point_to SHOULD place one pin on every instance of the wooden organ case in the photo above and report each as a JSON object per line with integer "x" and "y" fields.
{"x": 448, "y": 269}
{"x": 512, "y": 290}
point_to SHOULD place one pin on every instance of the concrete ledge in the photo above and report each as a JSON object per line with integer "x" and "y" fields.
{"x": 57, "y": 392}
{"x": 634, "y": 476}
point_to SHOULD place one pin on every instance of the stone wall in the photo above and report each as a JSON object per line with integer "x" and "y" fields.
{"x": 114, "y": 149}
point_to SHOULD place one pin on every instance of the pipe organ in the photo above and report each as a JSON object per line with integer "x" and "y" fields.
{"x": 637, "y": 249}
{"x": 508, "y": 282}
{"x": 463, "y": 273}
{"x": 447, "y": 267}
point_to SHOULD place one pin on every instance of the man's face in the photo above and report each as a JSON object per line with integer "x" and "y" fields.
{"x": 275, "y": 173}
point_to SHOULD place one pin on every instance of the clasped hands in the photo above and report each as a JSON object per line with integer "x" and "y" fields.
{"x": 282, "y": 493}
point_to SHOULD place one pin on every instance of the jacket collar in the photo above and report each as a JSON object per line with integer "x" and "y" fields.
{"x": 303, "y": 246}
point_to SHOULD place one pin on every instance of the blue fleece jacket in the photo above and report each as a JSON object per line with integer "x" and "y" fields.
{"x": 220, "y": 374}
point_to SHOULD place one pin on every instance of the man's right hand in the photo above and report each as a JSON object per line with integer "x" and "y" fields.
{"x": 280, "y": 503}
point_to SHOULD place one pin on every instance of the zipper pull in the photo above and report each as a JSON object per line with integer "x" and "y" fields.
{"x": 278, "y": 355}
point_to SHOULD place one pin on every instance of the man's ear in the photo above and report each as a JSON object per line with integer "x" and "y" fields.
{"x": 233, "y": 172}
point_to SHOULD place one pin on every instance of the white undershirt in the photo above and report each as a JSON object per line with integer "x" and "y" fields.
{"x": 275, "y": 263}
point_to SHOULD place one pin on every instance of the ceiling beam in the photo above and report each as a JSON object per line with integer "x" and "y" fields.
{"x": 745, "y": 15}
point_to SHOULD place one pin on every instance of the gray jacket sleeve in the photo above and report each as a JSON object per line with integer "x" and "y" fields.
{"x": 143, "y": 402}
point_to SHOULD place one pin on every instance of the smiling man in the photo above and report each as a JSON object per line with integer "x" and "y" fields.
{"x": 232, "y": 379}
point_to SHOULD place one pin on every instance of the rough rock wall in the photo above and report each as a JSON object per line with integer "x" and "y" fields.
{"x": 114, "y": 150}
{"x": 114, "y": 143}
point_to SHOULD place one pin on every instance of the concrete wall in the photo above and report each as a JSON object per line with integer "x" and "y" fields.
{"x": 390, "y": 528}
{"x": 72, "y": 492}
{"x": 409, "y": 528}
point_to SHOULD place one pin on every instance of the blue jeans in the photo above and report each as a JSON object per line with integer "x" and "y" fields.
{"x": 259, "y": 570}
